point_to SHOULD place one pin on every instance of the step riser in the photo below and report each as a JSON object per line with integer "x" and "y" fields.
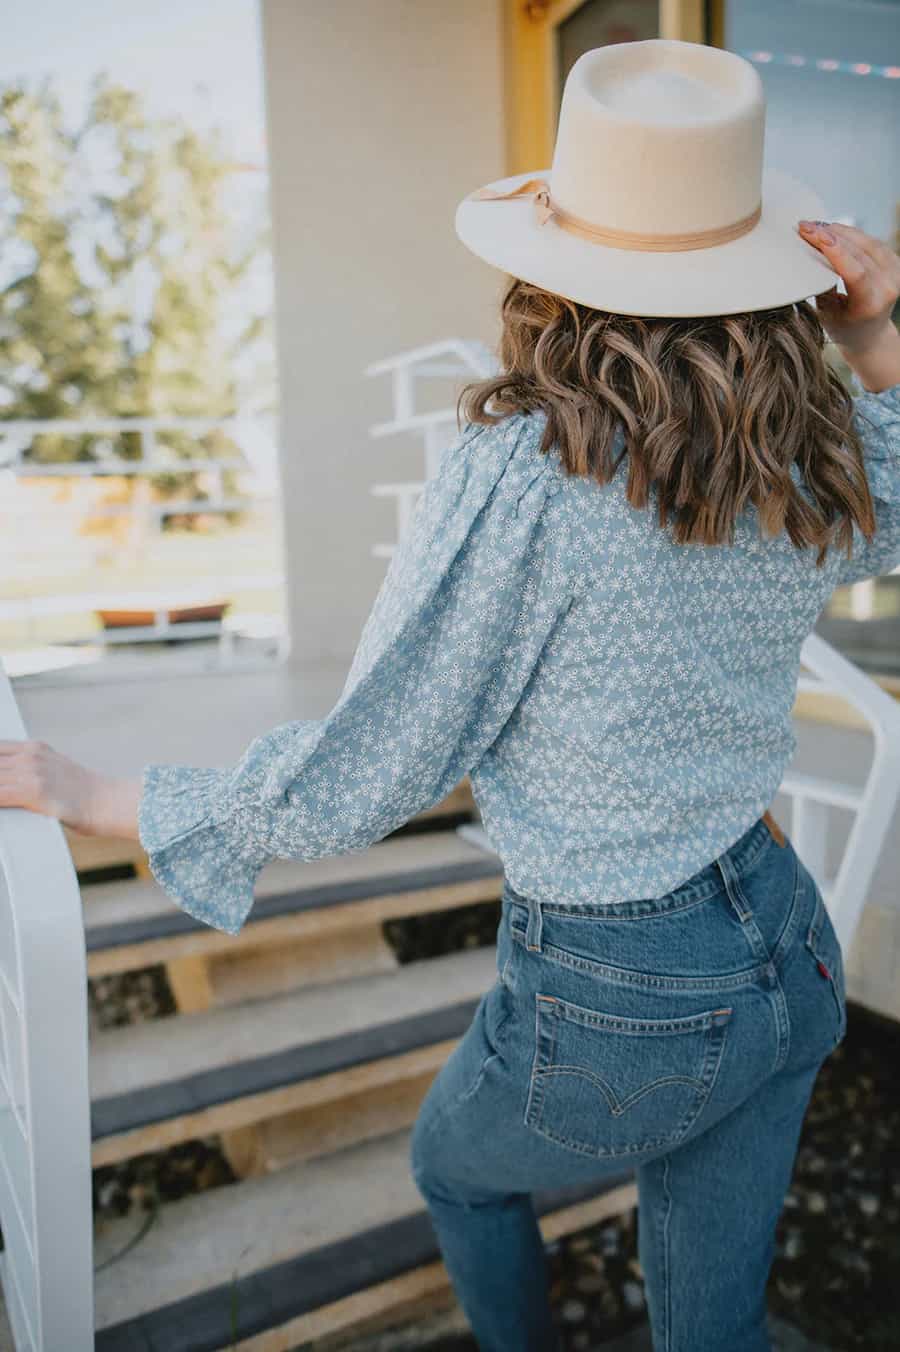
{"x": 308, "y": 926}
{"x": 308, "y": 962}
{"x": 321, "y": 1130}
{"x": 372, "y": 1076}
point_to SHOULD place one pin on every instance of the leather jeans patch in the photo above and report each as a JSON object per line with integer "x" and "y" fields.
{"x": 774, "y": 828}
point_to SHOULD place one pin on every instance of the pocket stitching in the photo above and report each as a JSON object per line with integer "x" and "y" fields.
{"x": 545, "y": 1046}
{"x": 618, "y": 1107}
{"x": 625, "y": 976}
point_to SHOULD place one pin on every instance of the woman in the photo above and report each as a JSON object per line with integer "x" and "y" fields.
{"x": 597, "y": 614}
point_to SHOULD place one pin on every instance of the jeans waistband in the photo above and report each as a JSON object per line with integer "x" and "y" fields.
{"x": 711, "y": 879}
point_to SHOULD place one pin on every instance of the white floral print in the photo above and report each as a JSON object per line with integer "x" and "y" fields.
{"x": 621, "y": 704}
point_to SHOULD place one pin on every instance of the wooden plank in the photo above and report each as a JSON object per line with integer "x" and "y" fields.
{"x": 322, "y": 1129}
{"x": 257, "y": 973}
{"x": 289, "y": 1245}
{"x": 250, "y": 1109}
{"x": 435, "y": 1315}
{"x": 190, "y": 983}
{"x": 200, "y": 982}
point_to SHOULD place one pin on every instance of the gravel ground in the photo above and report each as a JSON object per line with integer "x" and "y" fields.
{"x": 834, "y": 1278}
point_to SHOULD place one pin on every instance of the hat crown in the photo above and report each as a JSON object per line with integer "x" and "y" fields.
{"x": 660, "y": 136}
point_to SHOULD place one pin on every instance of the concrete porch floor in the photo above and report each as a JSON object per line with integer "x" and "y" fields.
{"x": 206, "y": 718}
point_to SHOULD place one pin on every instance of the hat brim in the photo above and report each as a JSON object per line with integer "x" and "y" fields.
{"x": 769, "y": 266}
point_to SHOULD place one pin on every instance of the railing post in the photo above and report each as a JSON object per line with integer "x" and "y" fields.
{"x": 809, "y": 833}
{"x": 46, "y": 1266}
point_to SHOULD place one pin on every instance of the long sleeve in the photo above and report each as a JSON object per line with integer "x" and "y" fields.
{"x": 471, "y": 595}
{"x": 878, "y": 420}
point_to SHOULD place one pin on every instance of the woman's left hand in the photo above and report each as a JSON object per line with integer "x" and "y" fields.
{"x": 34, "y": 776}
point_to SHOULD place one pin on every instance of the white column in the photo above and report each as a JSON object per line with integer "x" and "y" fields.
{"x": 381, "y": 115}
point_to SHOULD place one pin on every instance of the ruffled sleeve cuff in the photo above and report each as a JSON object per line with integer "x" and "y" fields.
{"x": 200, "y": 842}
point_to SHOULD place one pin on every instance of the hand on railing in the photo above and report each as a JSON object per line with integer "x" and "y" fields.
{"x": 36, "y": 777}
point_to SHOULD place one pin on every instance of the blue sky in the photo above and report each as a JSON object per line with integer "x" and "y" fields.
{"x": 197, "y": 57}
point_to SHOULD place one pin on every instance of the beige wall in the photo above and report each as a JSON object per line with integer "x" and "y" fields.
{"x": 381, "y": 115}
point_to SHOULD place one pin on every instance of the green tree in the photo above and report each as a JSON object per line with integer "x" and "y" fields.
{"x": 58, "y": 350}
{"x": 118, "y": 268}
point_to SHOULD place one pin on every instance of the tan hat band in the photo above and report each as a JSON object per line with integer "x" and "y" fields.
{"x": 625, "y": 239}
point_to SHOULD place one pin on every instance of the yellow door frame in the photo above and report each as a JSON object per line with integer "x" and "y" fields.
{"x": 531, "y": 84}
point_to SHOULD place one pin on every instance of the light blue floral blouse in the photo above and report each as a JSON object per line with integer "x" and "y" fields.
{"x": 621, "y": 704}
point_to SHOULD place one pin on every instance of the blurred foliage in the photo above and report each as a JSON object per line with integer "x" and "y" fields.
{"x": 118, "y": 259}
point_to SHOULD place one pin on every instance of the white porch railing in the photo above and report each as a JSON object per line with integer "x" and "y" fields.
{"x": 54, "y": 526}
{"x": 46, "y": 1266}
{"x": 451, "y": 359}
{"x": 874, "y": 804}
{"x": 813, "y": 798}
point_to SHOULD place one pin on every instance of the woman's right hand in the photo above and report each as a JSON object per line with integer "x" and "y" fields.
{"x": 36, "y": 777}
{"x": 860, "y": 322}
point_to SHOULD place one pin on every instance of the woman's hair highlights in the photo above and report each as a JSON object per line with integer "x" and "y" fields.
{"x": 715, "y": 410}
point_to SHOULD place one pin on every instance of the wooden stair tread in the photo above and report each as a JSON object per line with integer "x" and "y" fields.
{"x": 135, "y": 910}
{"x": 183, "y": 1063}
{"x": 266, "y": 1250}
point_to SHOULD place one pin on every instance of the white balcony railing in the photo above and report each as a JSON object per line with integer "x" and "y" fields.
{"x": 451, "y": 359}
{"x": 44, "y": 538}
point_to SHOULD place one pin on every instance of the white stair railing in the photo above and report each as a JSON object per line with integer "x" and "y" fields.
{"x": 46, "y": 1265}
{"x": 873, "y": 804}
{"x": 812, "y": 797}
{"x": 449, "y": 359}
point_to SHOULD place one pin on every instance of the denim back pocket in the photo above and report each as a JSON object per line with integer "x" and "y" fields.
{"x": 606, "y": 1085}
{"x": 824, "y": 946}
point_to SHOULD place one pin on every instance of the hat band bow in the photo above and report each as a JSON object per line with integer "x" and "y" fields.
{"x": 545, "y": 208}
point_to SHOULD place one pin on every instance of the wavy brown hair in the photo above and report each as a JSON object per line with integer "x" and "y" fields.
{"x": 714, "y": 411}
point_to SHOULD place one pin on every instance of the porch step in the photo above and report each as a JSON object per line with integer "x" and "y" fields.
{"x": 134, "y": 923}
{"x": 176, "y": 1078}
{"x": 307, "y": 1251}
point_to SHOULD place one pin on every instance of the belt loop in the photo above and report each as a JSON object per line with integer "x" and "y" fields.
{"x": 533, "y": 929}
{"x": 726, "y": 867}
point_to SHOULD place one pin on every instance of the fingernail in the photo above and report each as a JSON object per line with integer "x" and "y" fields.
{"x": 825, "y": 233}
{"x": 818, "y": 229}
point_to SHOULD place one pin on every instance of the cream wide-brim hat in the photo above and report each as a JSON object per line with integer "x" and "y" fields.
{"x": 657, "y": 201}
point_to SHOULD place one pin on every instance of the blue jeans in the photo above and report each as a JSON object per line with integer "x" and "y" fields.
{"x": 676, "y": 1037}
